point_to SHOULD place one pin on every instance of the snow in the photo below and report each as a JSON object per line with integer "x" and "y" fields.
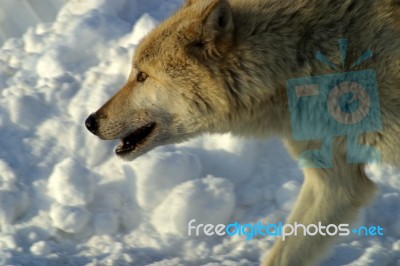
{"x": 40, "y": 248}
{"x": 70, "y": 219}
{"x": 162, "y": 172}
{"x": 70, "y": 184}
{"x": 65, "y": 199}
{"x": 285, "y": 196}
{"x": 17, "y": 16}
{"x": 209, "y": 200}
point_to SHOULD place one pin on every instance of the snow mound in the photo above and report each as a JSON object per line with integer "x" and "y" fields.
{"x": 71, "y": 219}
{"x": 70, "y": 184}
{"x": 209, "y": 200}
{"x": 158, "y": 174}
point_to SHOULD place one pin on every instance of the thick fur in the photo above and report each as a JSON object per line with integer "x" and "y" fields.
{"x": 221, "y": 66}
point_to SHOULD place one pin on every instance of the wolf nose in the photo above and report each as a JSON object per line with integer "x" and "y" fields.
{"x": 91, "y": 123}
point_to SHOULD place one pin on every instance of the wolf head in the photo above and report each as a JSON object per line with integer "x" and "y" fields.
{"x": 180, "y": 83}
{"x": 173, "y": 91}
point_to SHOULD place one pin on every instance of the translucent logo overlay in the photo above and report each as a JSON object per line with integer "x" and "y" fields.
{"x": 340, "y": 104}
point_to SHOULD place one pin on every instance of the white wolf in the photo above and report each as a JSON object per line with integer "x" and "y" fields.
{"x": 221, "y": 66}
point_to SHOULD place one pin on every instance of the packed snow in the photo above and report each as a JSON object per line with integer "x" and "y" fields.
{"x": 65, "y": 199}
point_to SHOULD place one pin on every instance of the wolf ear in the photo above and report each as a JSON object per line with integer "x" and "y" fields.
{"x": 212, "y": 32}
{"x": 217, "y": 21}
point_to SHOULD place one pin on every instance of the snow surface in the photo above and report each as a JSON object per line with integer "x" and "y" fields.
{"x": 17, "y": 15}
{"x": 66, "y": 200}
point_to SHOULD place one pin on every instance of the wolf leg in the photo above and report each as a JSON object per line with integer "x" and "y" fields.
{"x": 330, "y": 196}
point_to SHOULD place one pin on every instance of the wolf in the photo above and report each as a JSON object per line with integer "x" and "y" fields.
{"x": 220, "y": 66}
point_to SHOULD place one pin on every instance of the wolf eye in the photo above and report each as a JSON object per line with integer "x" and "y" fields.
{"x": 141, "y": 76}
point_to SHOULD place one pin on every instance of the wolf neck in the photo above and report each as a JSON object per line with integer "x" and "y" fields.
{"x": 275, "y": 43}
{"x": 282, "y": 37}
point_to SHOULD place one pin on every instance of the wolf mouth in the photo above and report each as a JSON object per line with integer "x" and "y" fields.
{"x": 138, "y": 138}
